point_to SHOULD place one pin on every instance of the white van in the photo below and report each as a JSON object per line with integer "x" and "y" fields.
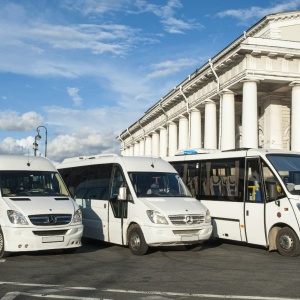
{"x": 135, "y": 201}
{"x": 36, "y": 210}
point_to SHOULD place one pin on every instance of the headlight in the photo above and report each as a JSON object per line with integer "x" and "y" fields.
{"x": 207, "y": 217}
{"x": 298, "y": 205}
{"x": 77, "y": 218}
{"x": 16, "y": 217}
{"x": 156, "y": 217}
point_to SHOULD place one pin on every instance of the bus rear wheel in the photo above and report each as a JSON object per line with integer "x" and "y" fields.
{"x": 287, "y": 242}
{"x": 136, "y": 241}
{"x": 3, "y": 253}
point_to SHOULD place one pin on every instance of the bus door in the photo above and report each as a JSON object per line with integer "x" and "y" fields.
{"x": 254, "y": 209}
{"x": 117, "y": 208}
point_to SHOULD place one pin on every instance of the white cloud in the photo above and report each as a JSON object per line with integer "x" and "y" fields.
{"x": 95, "y": 7}
{"x": 13, "y": 121}
{"x": 84, "y": 142}
{"x": 167, "y": 13}
{"x": 73, "y": 93}
{"x": 17, "y": 147}
{"x": 254, "y": 12}
{"x": 168, "y": 67}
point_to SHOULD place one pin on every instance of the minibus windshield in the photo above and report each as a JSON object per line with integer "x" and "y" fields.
{"x": 31, "y": 183}
{"x": 288, "y": 167}
{"x": 158, "y": 184}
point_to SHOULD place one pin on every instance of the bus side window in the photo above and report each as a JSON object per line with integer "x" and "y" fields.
{"x": 254, "y": 181}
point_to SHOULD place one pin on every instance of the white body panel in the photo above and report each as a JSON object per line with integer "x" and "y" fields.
{"x": 99, "y": 219}
{"x": 30, "y": 237}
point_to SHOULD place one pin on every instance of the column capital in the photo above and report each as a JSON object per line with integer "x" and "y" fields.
{"x": 256, "y": 79}
{"x": 227, "y": 92}
{"x": 194, "y": 109}
{"x": 295, "y": 83}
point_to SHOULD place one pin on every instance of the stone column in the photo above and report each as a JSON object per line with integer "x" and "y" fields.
{"x": 163, "y": 142}
{"x": 249, "y": 114}
{"x": 295, "y": 116}
{"x": 131, "y": 151}
{"x": 148, "y": 146}
{"x": 136, "y": 149}
{"x": 210, "y": 126}
{"x": 195, "y": 138}
{"x": 155, "y": 144}
{"x": 227, "y": 121}
{"x": 142, "y": 147}
{"x": 273, "y": 122}
{"x": 172, "y": 138}
{"x": 183, "y": 136}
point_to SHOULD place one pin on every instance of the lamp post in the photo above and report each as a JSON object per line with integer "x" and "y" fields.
{"x": 38, "y": 137}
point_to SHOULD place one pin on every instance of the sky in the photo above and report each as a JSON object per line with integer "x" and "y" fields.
{"x": 85, "y": 70}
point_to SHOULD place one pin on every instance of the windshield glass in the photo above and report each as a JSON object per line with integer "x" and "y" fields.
{"x": 288, "y": 167}
{"x": 158, "y": 184}
{"x": 31, "y": 183}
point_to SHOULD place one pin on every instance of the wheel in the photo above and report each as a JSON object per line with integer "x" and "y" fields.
{"x": 287, "y": 242}
{"x": 194, "y": 247}
{"x": 136, "y": 241}
{"x": 3, "y": 253}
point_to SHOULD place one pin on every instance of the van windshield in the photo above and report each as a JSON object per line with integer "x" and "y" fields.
{"x": 158, "y": 184}
{"x": 288, "y": 167}
{"x": 31, "y": 183}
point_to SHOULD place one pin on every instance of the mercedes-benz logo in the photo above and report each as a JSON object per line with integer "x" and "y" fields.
{"x": 52, "y": 219}
{"x": 189, "y": 220}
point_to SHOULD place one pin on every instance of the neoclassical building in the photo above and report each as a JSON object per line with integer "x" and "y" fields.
{"x": 246, "y": 96}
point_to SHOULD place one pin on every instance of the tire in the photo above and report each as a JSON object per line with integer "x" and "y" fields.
{"x": 3, "y": 253}
{"x": 136, "y": 241}
{"x": 287, "y": 242}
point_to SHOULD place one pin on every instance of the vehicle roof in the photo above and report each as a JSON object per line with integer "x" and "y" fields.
{"x": 215, "y": 154}
{"x": 25, "y": 163}
{"x": 130, "y": 163}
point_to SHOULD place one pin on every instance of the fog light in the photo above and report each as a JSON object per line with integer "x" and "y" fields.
{"x": 26, "y": 246}
{"x": 20, "y": 246}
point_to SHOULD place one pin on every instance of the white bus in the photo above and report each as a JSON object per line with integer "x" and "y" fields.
{"x": 135, "y": 201}
{"x": 253, "y": 194}
{"x": 36, "y": 210}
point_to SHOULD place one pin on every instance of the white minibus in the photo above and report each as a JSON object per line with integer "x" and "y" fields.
{"x": 135, "y": 201}
{"x": 253, "y": 195}
{"x": 36, "y": 210}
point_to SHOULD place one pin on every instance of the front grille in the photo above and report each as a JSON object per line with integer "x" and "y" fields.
{"x": 186, "y": 232}
{"x": 50, "y": 220}
{"x": 50, "y": 233}
{"x": 187, "y": 219}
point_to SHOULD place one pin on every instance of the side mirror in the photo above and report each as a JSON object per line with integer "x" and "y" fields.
{"x": 122, "y": 196}
{"x": 272, "y": 189}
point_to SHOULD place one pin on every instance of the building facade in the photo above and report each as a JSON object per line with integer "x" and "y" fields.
{"x": 247, "y": 96}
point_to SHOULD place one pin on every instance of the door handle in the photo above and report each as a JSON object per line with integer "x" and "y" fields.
{"x": 247, "y": 213}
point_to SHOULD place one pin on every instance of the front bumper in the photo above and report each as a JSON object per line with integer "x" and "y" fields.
{"x": 33, "y": 239}
{"x": 171, "y": 236}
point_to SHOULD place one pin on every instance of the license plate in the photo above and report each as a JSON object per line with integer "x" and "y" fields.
{"x": 52, "y": 239}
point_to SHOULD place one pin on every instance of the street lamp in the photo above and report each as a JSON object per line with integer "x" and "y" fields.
{"x": 38, "y": 137}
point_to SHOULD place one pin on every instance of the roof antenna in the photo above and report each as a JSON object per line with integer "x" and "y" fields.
{"x": 152, "y": 165}
{"x": 28, "y": 163}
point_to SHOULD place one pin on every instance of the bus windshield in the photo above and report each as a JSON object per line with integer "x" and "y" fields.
{"x": 158, "y": 184}
{"x": 288, "y": 167}
{"x": 31, "y": 183}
